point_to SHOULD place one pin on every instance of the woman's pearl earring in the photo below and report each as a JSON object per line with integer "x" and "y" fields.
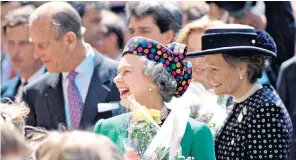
{"x": 150, "y": 89}
{"x": 241, "y": 77}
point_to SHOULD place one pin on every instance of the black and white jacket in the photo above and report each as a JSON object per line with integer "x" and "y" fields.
{"x": 258, "y": 127}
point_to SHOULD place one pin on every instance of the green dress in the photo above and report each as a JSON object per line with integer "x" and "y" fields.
{"x": 197, "y": 141}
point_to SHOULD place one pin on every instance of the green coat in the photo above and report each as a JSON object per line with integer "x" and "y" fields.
{"x": 197, "y": 141}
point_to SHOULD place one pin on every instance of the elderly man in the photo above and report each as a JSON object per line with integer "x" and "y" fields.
{"x": 79, "y": 77}
{"x": 157, "y": 20}
{"x": 20, "y": 51}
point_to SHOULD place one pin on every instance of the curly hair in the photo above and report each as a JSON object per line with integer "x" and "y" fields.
{"x": 160, "y": 77}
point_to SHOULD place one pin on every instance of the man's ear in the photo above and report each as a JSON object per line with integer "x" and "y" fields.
{"x": 70, "y": 40}
{"x": 169, "y": 36}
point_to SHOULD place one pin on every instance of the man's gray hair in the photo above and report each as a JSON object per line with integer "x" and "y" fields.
{"x": 65, "y": 22}
{"x": 64, "y": 18}
{"x": 160, "y": 77}
{"x": 99, "y": 5}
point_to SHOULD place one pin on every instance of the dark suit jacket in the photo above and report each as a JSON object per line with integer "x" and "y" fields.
{"x": 9, "y": 89}
{"x": 46, "y": 101}
{"x": 286, "y": 87}
{"x": 281, "y": 26}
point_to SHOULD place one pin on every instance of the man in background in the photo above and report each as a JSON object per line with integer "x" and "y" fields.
{"x": 6, "y": 68}
{"x": 113, "y": 40}
{"x": 20, "y": 51}
{"x": 157, "y": 20}
{"x": 91, "y": 15}
{"x": 286, "y": 87}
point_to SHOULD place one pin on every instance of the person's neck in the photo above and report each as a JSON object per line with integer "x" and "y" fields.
{"x": 242, "y": 90}
{"x": 113, "y": 53}
{"x": 79, "y": 55}
{"x": 31, "y": 71}
{"x": 154, "y": 103}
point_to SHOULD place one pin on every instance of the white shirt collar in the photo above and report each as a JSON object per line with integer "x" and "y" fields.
{"x": 254, "y": 89}
{"x": 83, "y": 67}
{"x": 118, "y": 58}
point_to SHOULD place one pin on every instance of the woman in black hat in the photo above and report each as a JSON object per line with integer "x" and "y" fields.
{"x": 259, "y": 126}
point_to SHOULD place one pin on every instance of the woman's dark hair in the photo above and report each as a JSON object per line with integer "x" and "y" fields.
{"x": 255, "y": 63}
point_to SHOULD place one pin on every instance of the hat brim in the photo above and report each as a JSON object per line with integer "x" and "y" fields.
{"x": 254, "y": 50}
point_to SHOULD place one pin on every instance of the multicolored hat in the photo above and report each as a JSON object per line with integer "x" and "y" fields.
{"x": 171, "y": 56}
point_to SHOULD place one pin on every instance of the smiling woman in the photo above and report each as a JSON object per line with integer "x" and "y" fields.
{"x": 154, "y": 74}
{"x": 259, "y": 126}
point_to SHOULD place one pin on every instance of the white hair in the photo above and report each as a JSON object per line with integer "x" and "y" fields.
{"x": 160, "y": 77}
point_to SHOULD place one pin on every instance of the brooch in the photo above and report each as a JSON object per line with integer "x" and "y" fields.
{"x": 241, "y": 115}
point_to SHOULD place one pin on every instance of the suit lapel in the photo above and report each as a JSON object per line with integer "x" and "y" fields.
{"x": 55, "y": 102}
{"x": 18, "y": 83}
{"x": 12, "y": 89}
{"x": 97, "y": 92}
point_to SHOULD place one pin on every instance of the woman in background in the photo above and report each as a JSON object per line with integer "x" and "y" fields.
{"x": 206, "y": 106}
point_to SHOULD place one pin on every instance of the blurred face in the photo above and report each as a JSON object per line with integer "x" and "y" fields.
{"x": 146, "y": 27}
{"x": 5, "y": 7}
{"x": 20, "y": 49}
{"x": 131, "y": 80}
{"x": 198, "y": 64}
{"x": 95, "y": 30}
{"x": 55, "y": 54}
{"x": 105, "y": 45}
{"x": 109, "y": 41}
{"x": 223, "y": 77}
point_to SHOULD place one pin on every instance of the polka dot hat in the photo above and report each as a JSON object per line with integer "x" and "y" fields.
{"x": 171, "y": 56}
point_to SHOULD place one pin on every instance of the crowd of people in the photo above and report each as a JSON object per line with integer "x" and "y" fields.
{"x": 68, "y": 69}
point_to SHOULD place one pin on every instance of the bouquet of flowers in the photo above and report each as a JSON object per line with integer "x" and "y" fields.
{"x": 150, "y": 141}
{"x": 142, "y": 128}
{"x": 208, "y": 108}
